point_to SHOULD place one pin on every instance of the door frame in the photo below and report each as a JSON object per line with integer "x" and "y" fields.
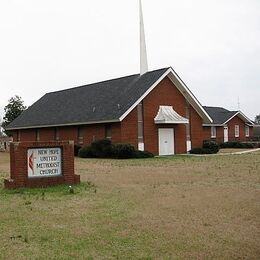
{"x": 225, "y": 129}
{"x": 160, "y": 130}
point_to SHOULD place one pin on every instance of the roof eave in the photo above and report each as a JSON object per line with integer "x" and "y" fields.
{"x": 60, "y": 125}
{"x": 245, "y": 118}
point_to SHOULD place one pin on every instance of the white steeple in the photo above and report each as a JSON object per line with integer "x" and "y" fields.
{"x": 143, "y": 54}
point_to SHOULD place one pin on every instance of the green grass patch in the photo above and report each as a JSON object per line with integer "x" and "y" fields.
{"x": 176, "y": 207}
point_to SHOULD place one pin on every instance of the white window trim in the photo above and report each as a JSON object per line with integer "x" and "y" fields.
{"x": 247, "y": 131}
{"x": 213, "y": 130}
{"x": 236, "y": 130}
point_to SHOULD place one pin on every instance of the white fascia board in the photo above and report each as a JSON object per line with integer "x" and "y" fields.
{"x": 197, "y": 106}
{"x": 144, "y": 95}
{"x": 189, "y": 95}
{"x": 244, "y": 118}
{"x": 60, "y": 125}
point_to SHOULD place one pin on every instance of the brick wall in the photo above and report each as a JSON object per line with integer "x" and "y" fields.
{"x": 46, "y": 134}
{"x": 28, "y": 135}
{"x": 231, "y": 131}
{"x": 19, "y": 169}
{"x": 197, "y": 134}
{"x": 129, "y": 129}
{"x": 168, "y": 95}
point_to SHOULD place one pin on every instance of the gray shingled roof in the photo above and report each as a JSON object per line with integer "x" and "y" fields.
{"x": 219, "y": 114}
{"x": 100, "y": 102}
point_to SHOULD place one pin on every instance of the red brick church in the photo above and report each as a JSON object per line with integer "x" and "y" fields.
{"x": 155, "y": 111}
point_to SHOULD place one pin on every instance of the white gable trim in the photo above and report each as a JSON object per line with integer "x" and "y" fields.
{"x": 144, "y": 95}
{"x": 245, "y": 118}
{"x": 178, "y": 82}
{"x": 182, "y": 88}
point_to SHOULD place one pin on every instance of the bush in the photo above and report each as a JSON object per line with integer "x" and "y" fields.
{"x": 123, "y": 151}
{"x": 143, "y": 154}
{"x": 102, "y": 148}
{"x": 86, "y": 152}
{"x": 76, "y": 149}
{"x": 236, "y": 145}
{"x": 211, "y": 145}
{"x": 200, "y": 151}
{"x": 105, "y": 149}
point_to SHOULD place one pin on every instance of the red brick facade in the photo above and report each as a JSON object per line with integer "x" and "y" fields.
{"x": 231, "y": 131}
{"x": 164, "y": 94}
{"x": 19, "y": 166}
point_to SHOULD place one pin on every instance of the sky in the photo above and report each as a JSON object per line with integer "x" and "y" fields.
{"x": 214, "y": 46}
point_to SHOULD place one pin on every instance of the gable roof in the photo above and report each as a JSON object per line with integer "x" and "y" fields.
{"x": 103, "y": 102}
{"x": 222, "y": 116}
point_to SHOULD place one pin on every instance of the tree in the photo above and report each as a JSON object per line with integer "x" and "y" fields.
{"x": 1, "y": 133}
{"x": 14, "y": 108}
{"x": 257, "y": 119}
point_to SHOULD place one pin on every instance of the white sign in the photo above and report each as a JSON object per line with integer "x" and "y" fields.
{"x": 44, "y": 162}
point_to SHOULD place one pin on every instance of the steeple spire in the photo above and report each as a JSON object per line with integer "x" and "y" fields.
{"x": 143, "y": 54}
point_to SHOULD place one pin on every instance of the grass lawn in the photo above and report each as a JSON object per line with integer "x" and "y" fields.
{"x": 179, "y": 207}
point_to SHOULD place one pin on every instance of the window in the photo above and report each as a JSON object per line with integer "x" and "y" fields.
{"x": 80, "y": 135}
{"x": 213, "y": 132}
{"x": 37, "y": 135}
{"x": 188, "y": 126}
{"x": 247, "y": 131}
{"x": 108, "y": 132}
{"x": 56, "y": 133}
{"x": 18, "y": 135}
{"x": 236, "y": 130}
{"x": 140, "y": 123}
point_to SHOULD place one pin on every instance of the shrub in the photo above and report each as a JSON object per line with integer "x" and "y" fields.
{"x": 200, "y": 151}
{"x": 123, "y": 151}
{"x": 105, "y": 149}
{"x": 143, "y": 154}
{"x": 236, "y": 145}
{"x": 86, "y": 152}
{"x": 76, "y": 149}
{"x": 101, "y": 148}
{"x": 211, "y": 145}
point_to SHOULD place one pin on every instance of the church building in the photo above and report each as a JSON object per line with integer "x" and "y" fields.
{"x": 152, "y": 110}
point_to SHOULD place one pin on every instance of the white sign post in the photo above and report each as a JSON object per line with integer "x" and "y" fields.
{"x": 44, "y": 162}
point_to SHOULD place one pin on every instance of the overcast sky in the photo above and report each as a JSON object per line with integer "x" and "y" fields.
{"x": 214, "y": 46}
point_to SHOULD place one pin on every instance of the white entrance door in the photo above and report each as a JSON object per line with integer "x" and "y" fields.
{"x": 225, "y": 134}
{"x": 166, "y": 141}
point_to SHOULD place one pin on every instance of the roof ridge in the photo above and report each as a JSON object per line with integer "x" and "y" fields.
{"x": 108, "y": 80}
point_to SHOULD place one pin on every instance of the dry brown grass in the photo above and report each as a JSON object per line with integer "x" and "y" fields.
{"x": 161, "y": 208}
